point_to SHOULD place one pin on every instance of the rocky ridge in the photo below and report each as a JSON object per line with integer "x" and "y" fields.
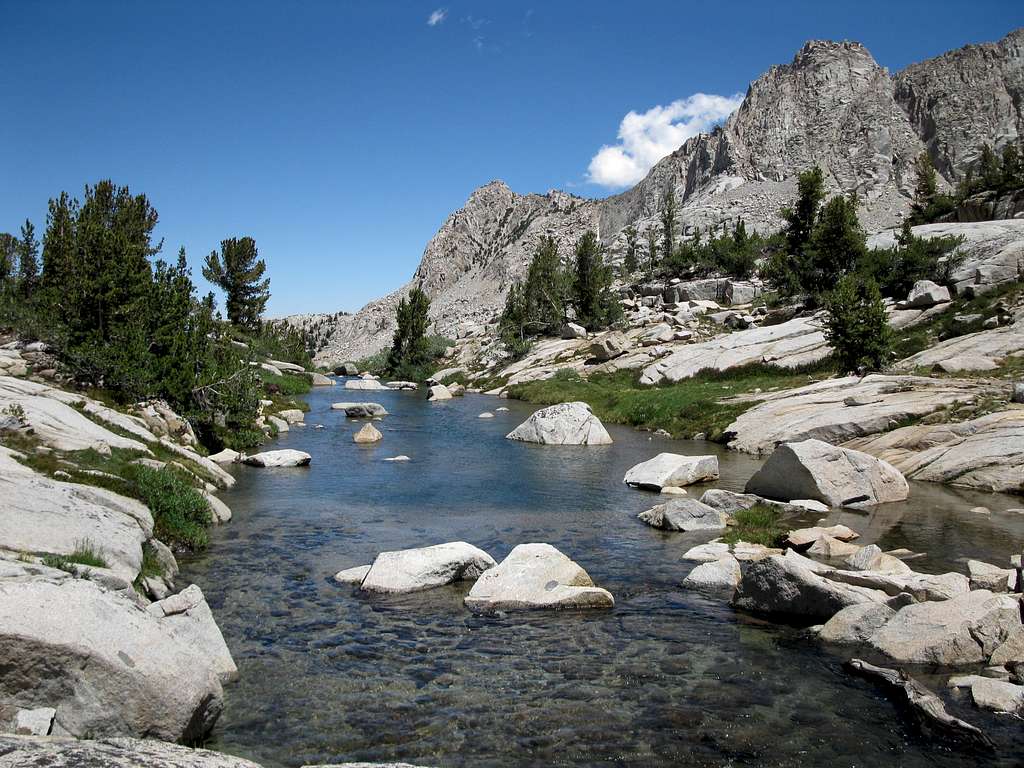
{"x": 833, "y": 105}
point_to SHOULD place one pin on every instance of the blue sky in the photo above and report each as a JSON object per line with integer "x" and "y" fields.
{"x": 341, "y": 134}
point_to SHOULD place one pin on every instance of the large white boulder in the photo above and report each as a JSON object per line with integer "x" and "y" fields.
{"x": 925, "y": 293}
{"x": 40, "y": 515}
{"x": 536, "y": 576}
{"x": 109, "y": 667}
{"x": 319, "y": 380}
{"x": 368, "y": 434}
{"x": 672, "y": 470}
{"x": 813, "y": 469}
{"x": 439, "y": 392}
{"x": 562, "y": 424}
{"x": 788, "y": 585}
{"x": 684, "y": 515}
{"x": 292, "y": 415}
{"x": 364, "y": 384}
{"x": 965, "y": 630}
{"x": 286, "y": 457}
{"x": 721, "y": 574}
{"x": 413, "y": 570}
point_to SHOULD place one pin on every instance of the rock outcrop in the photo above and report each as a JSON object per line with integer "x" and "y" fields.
{"x": 44, "y": 516}
{"x": 106, "y": 665}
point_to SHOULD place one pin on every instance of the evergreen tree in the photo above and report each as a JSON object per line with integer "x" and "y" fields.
{"x": 8, "y": 258}
{"x": 629, "y": 262}
{"x": 595, "y": 305}
{"x": 926, "y": 185}
{"x": 109, "y": 269}
{"x": 408, "y": 346}
{"x": 538, "y": 305}
{"x": 799, "y": 220}
{"x": 179, "y": 353}
{"x": 989, "y": 168}
{"x": 668, "y": 222}
{"x": 28, "y": 259}
{"x": 856, "y": 325}
{"x": 651, "y": 236}
{"x": 837, "y": 245}
{"x": 59, "y": 244}
{"x": 238, "y": 271}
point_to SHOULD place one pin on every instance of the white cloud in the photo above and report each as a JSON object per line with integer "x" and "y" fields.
{"x": 646, "y": 138}
{"x": 437, "y": 17}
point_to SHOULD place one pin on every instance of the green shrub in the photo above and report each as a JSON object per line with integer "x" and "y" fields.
{"x": 761, "y": 524}
{"x": 856, "y": 325}
{"x": 180, "y": 513}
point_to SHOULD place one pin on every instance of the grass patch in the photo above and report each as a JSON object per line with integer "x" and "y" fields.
{"x": 287, "y": 384}
{"x": 761, "y": 524}
{"x": 683, "y": 409}
{"x": 180, "y": 513}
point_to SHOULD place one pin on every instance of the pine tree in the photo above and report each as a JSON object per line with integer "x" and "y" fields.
{"x": 856, "y": 325}
{"x": 799, "y": 220}
{"x": 629, "y": 262}
{"x": 595, "y": 305}
{"x": 408, "y": 346}
{"x": 668, "y": 223}
{"x": 28, "y": 259}
{"x": 989, "y": 168}
{"x": 836, "y": 246}
{"x": 926, "y": 185}
{"x": 651, "y": 236}
{"x": 238, "y": 271}
{"x": 8, "y": 258}
{"x": 59, "y": 244}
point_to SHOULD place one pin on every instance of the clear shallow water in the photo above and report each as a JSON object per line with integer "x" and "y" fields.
{"x": 669, "y": 676}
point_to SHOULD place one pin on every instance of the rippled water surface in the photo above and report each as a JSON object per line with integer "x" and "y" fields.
{"x": 668, "y": 677}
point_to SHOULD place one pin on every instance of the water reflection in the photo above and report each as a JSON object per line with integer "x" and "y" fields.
{"x": 669, "y": 676}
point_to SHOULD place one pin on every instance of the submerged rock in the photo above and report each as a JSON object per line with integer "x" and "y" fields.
{"x": 672, "y": 470}
{"x": 562, "y": 424}
{"x": 536, "y": 576}
{"x": 286, "y": 457}
{"x": 814, "y": 469}
{"x": 414, "y": 570}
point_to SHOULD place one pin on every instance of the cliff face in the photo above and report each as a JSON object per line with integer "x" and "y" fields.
{"x": 833, "y": 106}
